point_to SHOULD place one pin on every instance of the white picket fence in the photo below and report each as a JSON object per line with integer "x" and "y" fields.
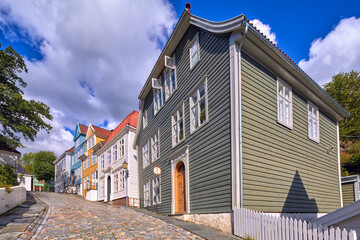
{"x": 261, "y": 226}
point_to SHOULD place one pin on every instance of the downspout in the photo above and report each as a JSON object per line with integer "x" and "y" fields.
{"x": 240, "y": 114}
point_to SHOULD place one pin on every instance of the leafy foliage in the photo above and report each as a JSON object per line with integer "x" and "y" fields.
{"x": 27, "y": 162}
{"x": 7, "y": 175}
{"x": 44, "y": 168}
{"x": 18, "y": 115}
{"x": 345, "y": 89}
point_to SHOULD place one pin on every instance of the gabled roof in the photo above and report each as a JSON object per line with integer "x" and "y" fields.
{"x": 311, "y": 89}
{"x": 98, "y": 131}
{"x": 131, "y": 120}
{"x": 21, "y": 170}
{"x": 71, "y": 150}
{"x": 5, "y": 147}
{"x": 83, "y": 129}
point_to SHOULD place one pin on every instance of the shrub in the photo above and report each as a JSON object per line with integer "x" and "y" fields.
{"x": 7, "y": 175}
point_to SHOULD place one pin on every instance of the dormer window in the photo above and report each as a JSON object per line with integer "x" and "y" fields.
{"x": 194, "y": 52}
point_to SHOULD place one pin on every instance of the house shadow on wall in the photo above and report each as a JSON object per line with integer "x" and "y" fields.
{"x": 298, "y": 201}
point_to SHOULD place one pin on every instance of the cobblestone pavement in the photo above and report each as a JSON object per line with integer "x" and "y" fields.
{"x": 72, "y": 217}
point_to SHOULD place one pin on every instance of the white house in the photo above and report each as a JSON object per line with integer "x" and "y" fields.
{"x": 62, "y": 170}
{"x": 24, "y": 178}
{"x": 114, "y": 186}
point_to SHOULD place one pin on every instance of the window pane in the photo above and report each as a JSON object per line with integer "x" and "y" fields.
{"x": 194, "y": 59}
{"x": 202, "y": 111}
{"x": 281, "y": 110}
{"x": 281, "y": 89}
{"x": 202, "y": 90}
{"x": 310, "y": 111}
{"x": 195, "y": 113}
{"x": 173, "y": 80}
{"x": 287, "y": 93}
{"x": 194, "y": 98}
{"x": 181, "y": 132}
{"x": 315, "y": 129}
{"x": 287, "y": 113}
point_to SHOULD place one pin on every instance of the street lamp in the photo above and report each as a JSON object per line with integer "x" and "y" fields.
{"x": 125, "y": 166}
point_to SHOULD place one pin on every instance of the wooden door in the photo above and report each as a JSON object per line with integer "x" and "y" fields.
{"x": 180, "y": 202}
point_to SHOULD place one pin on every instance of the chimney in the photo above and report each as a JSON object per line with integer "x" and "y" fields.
{"x": 187, "y": 7}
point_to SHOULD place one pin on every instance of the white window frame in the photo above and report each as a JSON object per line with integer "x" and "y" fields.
{"x": 102, "y": 188}
{"x": 115, "y": 151}
{"x": 93, "y": 180}
{"x": 194, "y": 42}
{"x": 197, "y": 105}
{"x": 146, "y": 152}
{"x": 147, "y": 198}
{"x": 160, "y": 103}
{"x": 156, "y": 182}
{"x": 102, "y": 161}
{"x": 108, "y": 154}
{"x": 116, "y": 182}
{"x": 88, "y": 161}
{"x": 281, "y": 107}
{"x": 93, "y": 158}
{"x": 144, "y": 119}
{"x": 315, "y": 129}
{"x": 170, "y": 83}
{"x": 155, "y": 143}
{"x": 175, "y": 125}
{"x": 84, "y": 167}
{"x": 122, "y": 180}
{"x": 122, "y": 147}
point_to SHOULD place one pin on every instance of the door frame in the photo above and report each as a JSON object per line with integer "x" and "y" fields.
{"x": 108, "y": 189}
{"x": 180, "y": 155}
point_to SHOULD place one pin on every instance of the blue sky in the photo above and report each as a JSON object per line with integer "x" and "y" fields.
{"x": 82, "y": 55}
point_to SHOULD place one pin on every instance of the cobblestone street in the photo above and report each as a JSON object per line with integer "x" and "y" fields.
{"x": 72, "y": 217}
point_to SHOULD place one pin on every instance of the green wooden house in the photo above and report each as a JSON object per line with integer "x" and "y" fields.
{"x": 39, "y": 185}
{"x": 232, "y": 121}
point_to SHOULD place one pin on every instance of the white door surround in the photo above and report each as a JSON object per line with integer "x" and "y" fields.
{"x": 180, "y": 155}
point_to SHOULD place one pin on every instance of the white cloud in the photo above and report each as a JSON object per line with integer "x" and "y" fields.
{"x": 96, "y": 57}
{"x": 264, "y": 29}
{"x": 338, "y": 51}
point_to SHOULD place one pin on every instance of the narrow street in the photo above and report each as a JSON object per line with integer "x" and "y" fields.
{"x": 72, "y": 217}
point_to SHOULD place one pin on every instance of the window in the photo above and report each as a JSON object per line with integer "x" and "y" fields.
{"x": 88, "y": 161}
{"x": 77, "y": 142}
{"x": 94, "y": 178}
{"x": 109, "y": 156}
{"x": 194, "y": 52}
{"x": 155, "y": 146}
{"x": 84, "y": 164}
{"x": 199, "y": 106}
{"x": 122, "y": 147}
{"x": 170, "y": 82}
{"x": 158, "y": 101}
{"x": 156, "y": 190}
{"x": 93, "y": 158}
{"x": 284, "y": 102}
{"x": 116, "y": 183}
{"x": 122, "y": 180}
{"x": 144, "y": 119}
{"x": 313, "y": 118}
{"x": 147, "y": 194}
{"x": 87, "y": 182}
{"x": 115, "y": 152}
{"x": 102, "y": 188}
{"x": 145, "y": 155}
{"x": 177, "y": 122}
{"x": 91, "y": 142}
{"x": 102, "y": 161}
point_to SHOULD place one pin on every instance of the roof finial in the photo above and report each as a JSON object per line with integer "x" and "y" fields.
{"x": 187, "y": 7}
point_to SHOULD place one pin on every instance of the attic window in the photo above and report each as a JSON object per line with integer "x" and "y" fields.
{"x": 284, "y": 102}
{"x": 313, "y": 118}
{"x": 194, "y": 52}
{"x": 157, "y": 94}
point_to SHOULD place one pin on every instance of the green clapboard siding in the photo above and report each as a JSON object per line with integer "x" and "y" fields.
{"x": 348, "y": 193}
{"x": 209, "y": 151}
{"x": 283, "y": 170}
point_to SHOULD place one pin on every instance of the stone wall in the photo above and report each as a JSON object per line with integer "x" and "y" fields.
{"x": 12, "y": 199}
{"x": 221, "y": 221}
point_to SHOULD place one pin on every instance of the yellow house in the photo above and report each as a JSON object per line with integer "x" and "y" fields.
{"x": 95, "y": 137}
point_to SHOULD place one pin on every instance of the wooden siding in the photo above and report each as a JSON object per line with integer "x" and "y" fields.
{"x": 283, "y": 170}
{"x": 348, "y": 193}
{"x": 209, "y": 151}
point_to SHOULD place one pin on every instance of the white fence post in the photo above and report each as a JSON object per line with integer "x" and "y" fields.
{"x": 352, "y": 235}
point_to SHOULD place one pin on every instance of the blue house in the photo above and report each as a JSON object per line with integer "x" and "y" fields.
{"x": 79, "y": 149}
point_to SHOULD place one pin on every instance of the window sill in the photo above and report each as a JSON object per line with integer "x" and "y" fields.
{"x": 158, "y": 110}
{"x": 197, "y": 129}
{"x": 285, "y": 125}
{"x": 193, "y": 66}
{"x": 314, "y": 140}
{"x": 178, "y": 143}
{"x": 170, "y": 96}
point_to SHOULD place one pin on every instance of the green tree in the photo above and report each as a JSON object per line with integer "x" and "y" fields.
{"x": 18, "y": 116}
{"x": 27, "y": 162}
{"x": 345, "y": 89}
{"x": 44, "y": 168}
{"x": 7, "y": 175}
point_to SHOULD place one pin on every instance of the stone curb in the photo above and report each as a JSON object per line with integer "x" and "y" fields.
{"x": 34, "y": 225}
